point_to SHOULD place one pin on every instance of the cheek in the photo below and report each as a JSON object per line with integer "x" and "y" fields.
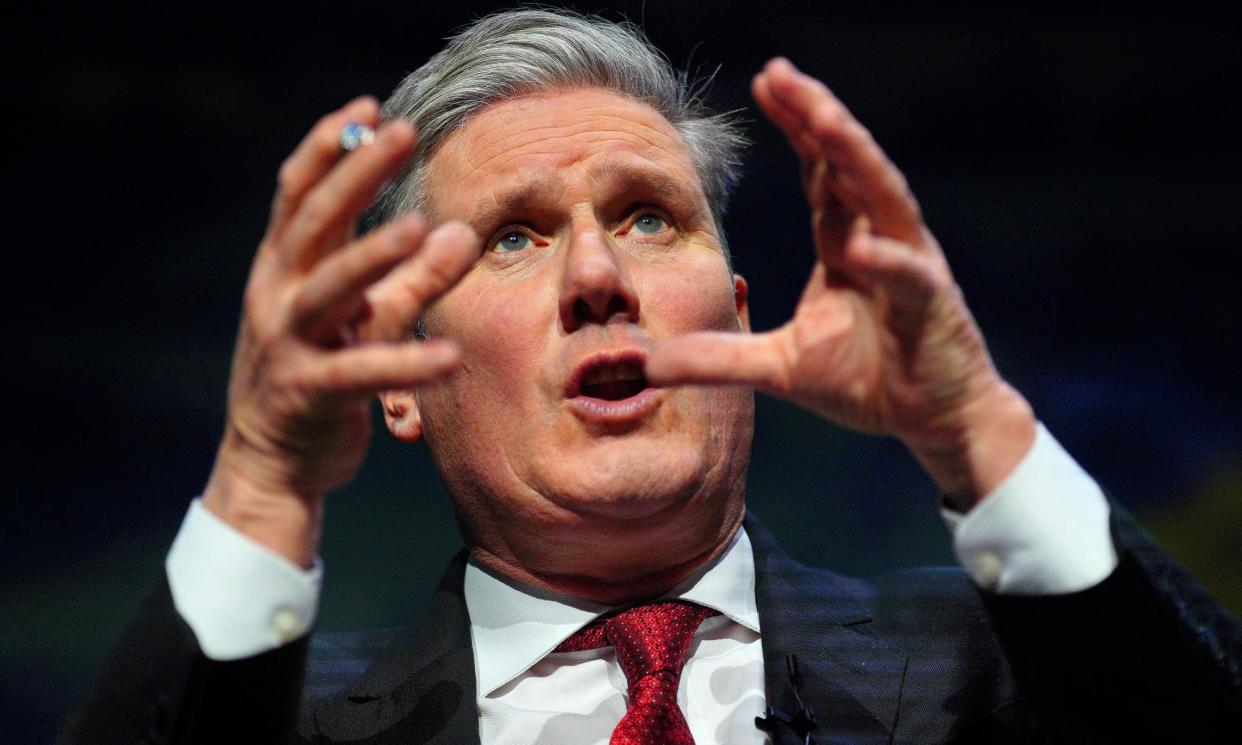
{"x": 699, "y": 298}
{"x": 498, "y": 330}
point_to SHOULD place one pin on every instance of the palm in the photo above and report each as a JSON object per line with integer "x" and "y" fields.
{"x": 324, "y": 328}
{"x": 836, "y": 336}
{"x": 881, "y": 340}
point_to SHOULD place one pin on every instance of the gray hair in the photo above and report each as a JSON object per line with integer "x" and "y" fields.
{"x": 519, "y": 52}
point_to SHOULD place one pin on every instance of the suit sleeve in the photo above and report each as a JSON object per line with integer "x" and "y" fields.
{"x": 159, "y": 687}
{"x": 216, "y": 652}
{"x": 1144, "y": 656}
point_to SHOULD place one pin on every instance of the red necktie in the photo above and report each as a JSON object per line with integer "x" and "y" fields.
{"x": 651, "y": 643}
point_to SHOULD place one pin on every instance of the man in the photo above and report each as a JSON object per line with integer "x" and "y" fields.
{"x": 583, "y": 379}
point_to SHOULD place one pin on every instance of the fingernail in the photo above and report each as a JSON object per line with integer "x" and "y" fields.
{"x": 406, "y": 231}
{"x": 397, "y": 124}
{"x": 411, "y": 222}
{"x": 441, "y": 354}
{"x": 395, "y": 130}
{"x": 360, "y": 100}
{"x": 456, "y": 231}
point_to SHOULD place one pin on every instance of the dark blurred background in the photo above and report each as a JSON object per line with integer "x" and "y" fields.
{"x": 1079, "y": 169}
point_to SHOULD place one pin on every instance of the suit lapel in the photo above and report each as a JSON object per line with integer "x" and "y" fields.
{"x": 850, "y": 680}
{"x": 422, "y": 688}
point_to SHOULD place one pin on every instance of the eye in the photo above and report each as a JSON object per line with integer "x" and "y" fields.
{"x": 649, "y": 223}
{"x": 512, "y": 241}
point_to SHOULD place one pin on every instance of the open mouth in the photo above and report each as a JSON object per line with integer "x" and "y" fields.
{"x": 613, "y": 381}
{"x": 609, "y": 389}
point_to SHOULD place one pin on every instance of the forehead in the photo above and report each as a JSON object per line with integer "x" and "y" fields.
{"x": 543, "y": 140}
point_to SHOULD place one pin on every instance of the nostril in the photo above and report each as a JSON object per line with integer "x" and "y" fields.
{"x": 584, "y": 310}
{"x": 581, "y": 309}
{"x": 617, "y": 307}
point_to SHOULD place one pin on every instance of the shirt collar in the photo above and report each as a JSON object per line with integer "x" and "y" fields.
{"x": 513, "y": 626}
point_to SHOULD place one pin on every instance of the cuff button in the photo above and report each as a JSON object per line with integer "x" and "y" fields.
{"x": 987, "y": 568}
{"x": 287, "y": 626}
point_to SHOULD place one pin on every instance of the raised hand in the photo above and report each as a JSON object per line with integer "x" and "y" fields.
{"x": 325, "y": 326}
{"x": 881, "y": 340}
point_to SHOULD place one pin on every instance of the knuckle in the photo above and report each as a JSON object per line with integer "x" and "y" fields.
{"x": 316, "y": 212}
{"x": 333, "y": 378}
{"x": 288, "y": 377}
{"x": 409, "y": 297}
{"x": 829, "y": 120}
{"x": 436, "y": 276}
{"x": 899, "y": 180}
{"x": 297, "y": 376}
{"x": 916, "y": 209}
{"x": 322, "y": 127}
{"x": 302, "y": 306}
{"x": 376, "y": 248}
{"x": 266, "y": 335}
{"x": 286, "y": 176}
{"x": 254, "y": 305}
{"x": 264, "y": 330}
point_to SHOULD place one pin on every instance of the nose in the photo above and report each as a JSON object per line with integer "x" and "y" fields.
{"x": 595, "y": 287}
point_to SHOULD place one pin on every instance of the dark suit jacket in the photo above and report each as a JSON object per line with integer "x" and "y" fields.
{"x": 915, "y": 657}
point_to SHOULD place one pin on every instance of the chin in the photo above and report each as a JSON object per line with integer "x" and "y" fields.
{"x": 628, "y": 480}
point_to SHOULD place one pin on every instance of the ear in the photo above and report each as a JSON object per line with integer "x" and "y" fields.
{"x": 741, "y": 292}
{"x": 401, "y": 414}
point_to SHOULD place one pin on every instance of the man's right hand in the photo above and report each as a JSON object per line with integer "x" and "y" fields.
{"x": 325, "y": 326}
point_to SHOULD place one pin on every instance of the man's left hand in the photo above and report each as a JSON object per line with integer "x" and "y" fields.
{"x": 881, "y": 340}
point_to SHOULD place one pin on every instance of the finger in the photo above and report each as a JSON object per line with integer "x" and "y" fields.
{"x": 836, "y": 204}
{"x": 400, "y": 298}
{"x": 324, "y": 219}
{"x": 371, "y": 368}
{"x": 808, "y": 149}
{"x": 850, "y": 148}
{"x": 911, "y": 278}
{"x": 790, "y": 125}
{"x": 330, "y": 294}
{"x": 715, "y": 358}
{"x": 834, "y": 216}
{"x": 318, "y": 152}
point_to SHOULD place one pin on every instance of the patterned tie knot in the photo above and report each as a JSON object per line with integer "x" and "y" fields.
{"x": 654, "y": 638}
{"x": 651, "y": 642}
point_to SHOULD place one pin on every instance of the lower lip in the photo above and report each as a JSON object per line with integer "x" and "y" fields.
{"x": 603, "y": 411}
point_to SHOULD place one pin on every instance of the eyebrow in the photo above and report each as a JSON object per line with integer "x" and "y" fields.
{"x": 682, "y": 197}
{"x": 539, "y": 190}
{"x": 534, "y": 191}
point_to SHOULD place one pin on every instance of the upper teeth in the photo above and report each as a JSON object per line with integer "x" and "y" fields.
{"x": 612, "y": 372}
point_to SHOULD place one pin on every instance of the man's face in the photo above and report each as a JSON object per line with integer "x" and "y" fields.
{"x": 597, "y": 243}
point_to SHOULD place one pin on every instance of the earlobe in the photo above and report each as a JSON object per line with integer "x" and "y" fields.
{"x": 401, "y": 414}
{"x": 741, "y": 293}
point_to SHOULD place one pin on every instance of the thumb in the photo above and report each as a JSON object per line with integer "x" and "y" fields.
{"x": 727, "y": 358}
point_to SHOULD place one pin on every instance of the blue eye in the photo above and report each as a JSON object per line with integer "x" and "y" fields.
{"x": 512, "y": 241}
{"x": 649, "y": 223}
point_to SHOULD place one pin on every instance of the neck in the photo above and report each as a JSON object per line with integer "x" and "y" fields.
{"x": 611, "y": 587}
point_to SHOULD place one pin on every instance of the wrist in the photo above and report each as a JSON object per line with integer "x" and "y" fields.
{"x": 278, "y": 518}
{"x": 976, "y": 449}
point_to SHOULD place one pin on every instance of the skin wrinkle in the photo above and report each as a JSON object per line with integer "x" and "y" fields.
{"x": 620, "y": 178}
{"x": 605, "y": 512}
{"x": 591, "y": 121}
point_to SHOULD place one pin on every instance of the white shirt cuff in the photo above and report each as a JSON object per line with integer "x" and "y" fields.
{"x": 1043, "y": 531}
{"x": 238, "y": 597}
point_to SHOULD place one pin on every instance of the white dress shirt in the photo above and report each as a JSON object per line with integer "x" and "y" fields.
{"x": 1043, "y": 531}
{"x": 527, "y": 695}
